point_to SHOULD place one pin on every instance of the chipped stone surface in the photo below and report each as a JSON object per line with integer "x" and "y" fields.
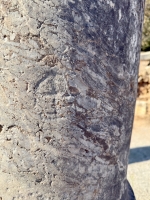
{"x": 68, "y": 81}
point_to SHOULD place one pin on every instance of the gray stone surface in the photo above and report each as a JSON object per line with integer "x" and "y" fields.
{"x": 68, "y": 81}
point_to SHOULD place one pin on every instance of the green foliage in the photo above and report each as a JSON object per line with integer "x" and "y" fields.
{"x": 146, "y": 28}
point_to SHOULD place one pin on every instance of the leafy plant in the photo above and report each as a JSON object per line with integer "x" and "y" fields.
{"x": 146, "y": 28}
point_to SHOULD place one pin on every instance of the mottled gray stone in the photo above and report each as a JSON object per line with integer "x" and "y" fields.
{"x": 68, "y": 82}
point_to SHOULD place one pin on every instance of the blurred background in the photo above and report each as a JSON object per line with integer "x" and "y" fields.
{"x": 139, "y": 158}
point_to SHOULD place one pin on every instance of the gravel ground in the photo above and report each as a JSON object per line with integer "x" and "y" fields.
{"x": 139, "y": 159}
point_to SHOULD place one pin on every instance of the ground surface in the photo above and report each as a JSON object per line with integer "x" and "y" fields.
{"x": 139, "y": 159}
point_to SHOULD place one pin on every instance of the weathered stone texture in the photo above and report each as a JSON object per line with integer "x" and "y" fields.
{"x": 68, "y": 81}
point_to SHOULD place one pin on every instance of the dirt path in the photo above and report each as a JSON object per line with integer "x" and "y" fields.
{"x": 139, "y": 159}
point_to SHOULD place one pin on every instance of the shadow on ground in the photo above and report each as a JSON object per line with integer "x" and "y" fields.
{"x": 139, "y": 154}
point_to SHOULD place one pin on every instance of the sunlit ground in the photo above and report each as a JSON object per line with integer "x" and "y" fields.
{"x": 139, "y": 159}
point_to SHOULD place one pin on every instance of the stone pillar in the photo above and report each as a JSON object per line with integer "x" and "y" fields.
{"x": 68, "y": 83}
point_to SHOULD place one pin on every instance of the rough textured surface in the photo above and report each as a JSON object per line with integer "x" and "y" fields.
{"x": 68, "y": 82}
